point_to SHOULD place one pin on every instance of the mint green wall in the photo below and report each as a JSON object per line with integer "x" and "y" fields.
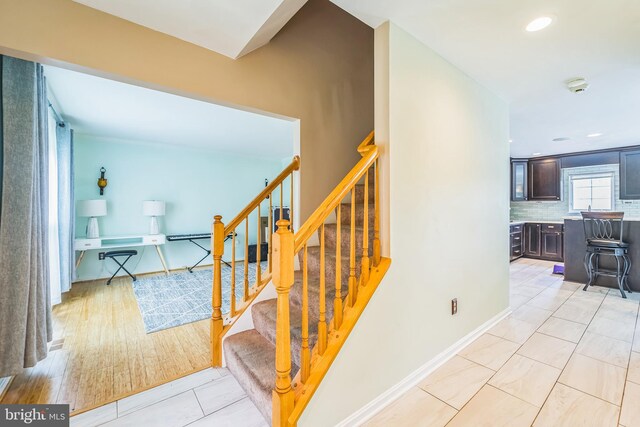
{"x": 196, "y": 184}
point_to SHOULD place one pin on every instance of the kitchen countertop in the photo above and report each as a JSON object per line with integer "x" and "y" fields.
{"x": 568, "y": 218}
{"x": 534, "y": 221}
{"x": 579, "y": 218}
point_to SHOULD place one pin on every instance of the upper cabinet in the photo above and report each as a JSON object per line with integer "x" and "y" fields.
{"x": 519, "y": 180}
{"x": 545, "y": 179}
{"x": 630, "y": 174}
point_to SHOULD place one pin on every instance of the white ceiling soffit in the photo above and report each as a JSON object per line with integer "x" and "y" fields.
{"x": 113, "y": 110}
{"x": 229, "y": 27}
{"x": 598, "y": 40}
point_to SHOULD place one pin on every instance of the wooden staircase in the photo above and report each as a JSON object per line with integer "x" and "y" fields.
{"x": 300, "y": 332}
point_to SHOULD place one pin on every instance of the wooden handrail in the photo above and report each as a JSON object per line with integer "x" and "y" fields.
{"x": 221, "y": 323}
{"x": 293, "y": 166}
{"x": 367, "y": 144}
{"x": 312, "y": 224}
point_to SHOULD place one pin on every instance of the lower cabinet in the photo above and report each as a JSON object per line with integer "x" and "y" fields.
{"x": 552, "y": 245}
{"x": 515, "y": 241}
{"x": 544, "y": 241}
{"x": 532, "y": 240}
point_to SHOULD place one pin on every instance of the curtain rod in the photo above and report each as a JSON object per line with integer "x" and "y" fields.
{"x": 55, "y": 113}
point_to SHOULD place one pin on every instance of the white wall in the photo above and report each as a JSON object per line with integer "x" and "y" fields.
{"x": 196, "y": 184}
{"x": 447, "y": 159}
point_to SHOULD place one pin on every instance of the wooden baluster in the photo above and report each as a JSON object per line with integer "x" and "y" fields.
{"x": 376, "y": 216}
{"x": 322, "y": 321}
{"x": 305, "y": 352}
{"x": 337, "y": 301}
{"x": 233, "y": 273}
{"x": 258, "y": 250}
{"x": 353, "y": 288}
{"x": 270, "y": 231}
{"x": 246, "y": 259}
{"x": 283, "y": 396}
{"x": 216, "y": 298}
{"x": 291, "y": 202}
{"x": 364, "y": 274}
{"x": 281, "y": 200}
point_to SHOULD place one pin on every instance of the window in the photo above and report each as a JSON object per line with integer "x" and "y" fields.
{"x": 591, "y": 191}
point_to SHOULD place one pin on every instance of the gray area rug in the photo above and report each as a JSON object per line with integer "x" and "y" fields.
{"x": 168, "y": 301}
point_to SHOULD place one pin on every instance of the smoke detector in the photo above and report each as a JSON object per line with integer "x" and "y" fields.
{"x": 577, "y": 85}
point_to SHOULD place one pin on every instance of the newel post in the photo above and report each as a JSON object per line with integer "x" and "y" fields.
{"x": 216, "y": 299}
{"x": 283, "y": 397}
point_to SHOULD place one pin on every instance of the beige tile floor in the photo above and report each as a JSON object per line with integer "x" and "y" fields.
{"x": 564, "y": 357}
{"x": 210, "y": 397}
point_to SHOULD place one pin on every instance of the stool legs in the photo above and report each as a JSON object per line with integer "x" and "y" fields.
{"x": 588, "y": 265}
{"x": 620, "y": 274}
{"x": 627, "y": 264}
{"x": 623, "y": 267}
{"x": 121, "y": 267}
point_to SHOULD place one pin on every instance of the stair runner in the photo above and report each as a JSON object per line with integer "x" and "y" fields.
{"x": 250, "y": 355}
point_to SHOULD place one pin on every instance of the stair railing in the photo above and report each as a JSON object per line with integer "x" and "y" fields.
{"x": 290, "y": 397}
{"x": 222, "y": 322}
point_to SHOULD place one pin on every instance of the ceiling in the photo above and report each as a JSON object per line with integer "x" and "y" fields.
{"x": 110, "y": 109}
{"x": 232, "y": 28}
{"x": 597, "y": 40}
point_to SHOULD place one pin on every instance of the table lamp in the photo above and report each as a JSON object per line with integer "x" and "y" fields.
{"x": 92, "y": 209}
{"x": 154, "y": 209}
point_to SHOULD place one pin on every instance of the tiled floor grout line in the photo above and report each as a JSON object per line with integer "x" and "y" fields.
{"x": 572, "y": 353}
{"x": 217, "y": 410}
{"x": 516, "y": 352}
{"x": 570, "y": 356}
{"x": 117, "y": 402}
{"x": 624, "y": 388}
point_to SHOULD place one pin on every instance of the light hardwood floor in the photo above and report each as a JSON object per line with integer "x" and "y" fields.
{"x": 564, "y": 357}
{"x": 101, "y": 352}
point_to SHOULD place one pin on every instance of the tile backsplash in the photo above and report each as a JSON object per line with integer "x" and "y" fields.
{"x": 555, "y": 210}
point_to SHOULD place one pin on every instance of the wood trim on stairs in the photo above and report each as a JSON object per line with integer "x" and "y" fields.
{"x": 337, "y": 338}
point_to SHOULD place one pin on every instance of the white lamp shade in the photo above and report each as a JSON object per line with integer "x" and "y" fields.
{"x": 92, "y": 208}
{"x": 153, "y": 208}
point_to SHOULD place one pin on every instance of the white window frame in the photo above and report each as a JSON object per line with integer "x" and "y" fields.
{"x": 593, "y": 176}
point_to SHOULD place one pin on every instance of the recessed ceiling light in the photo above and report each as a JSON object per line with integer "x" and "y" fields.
{"x": 511, "y": 140}
{"x": 539, "y": 24}
{"x": 563, "y": 138}
{"x": 536, "y": 154}
{"x": 594, "y": 135}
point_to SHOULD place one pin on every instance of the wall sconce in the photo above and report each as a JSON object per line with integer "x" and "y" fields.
{"x": 102, "y": 181}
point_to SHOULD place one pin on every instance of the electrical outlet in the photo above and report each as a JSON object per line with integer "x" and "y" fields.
{"x": 101, "y": 255}
{"x": 454, "y": 306}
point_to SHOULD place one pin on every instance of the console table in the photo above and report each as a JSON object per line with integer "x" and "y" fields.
{"x": 113, "y": 242}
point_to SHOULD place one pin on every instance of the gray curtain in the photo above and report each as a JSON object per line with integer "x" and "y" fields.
{"x": 25, "y": 312}
{"x": 66, "y": 212}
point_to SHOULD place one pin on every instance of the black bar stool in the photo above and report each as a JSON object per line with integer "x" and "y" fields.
{"x": 603, "y": 232}
{"x": 114, "y": 256}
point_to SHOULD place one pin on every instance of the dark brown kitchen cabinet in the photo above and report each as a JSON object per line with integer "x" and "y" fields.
{"x": 516, "y": 237}
{"x": 630, "y": 174}
{"x": 545, "y": 179}
{"x": 532, "y": 240}
{"x": 544, "y": 241}
{"x": 551, "y": 242}
{"x": 519, "y": 180}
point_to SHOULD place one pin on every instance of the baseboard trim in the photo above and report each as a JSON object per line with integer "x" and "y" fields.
{"x": 379, "y": 403}
{"x": 4, "y": 385}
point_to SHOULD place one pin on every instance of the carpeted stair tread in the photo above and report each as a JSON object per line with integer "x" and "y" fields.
{"x": 345, "y": 213}
{"x": 313, "y": 284}
{"x": 313, "y": 264}
{"x": 264, "y": 316}
{"x": 331, "y": 234}
{"x": 251, "y": 358}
